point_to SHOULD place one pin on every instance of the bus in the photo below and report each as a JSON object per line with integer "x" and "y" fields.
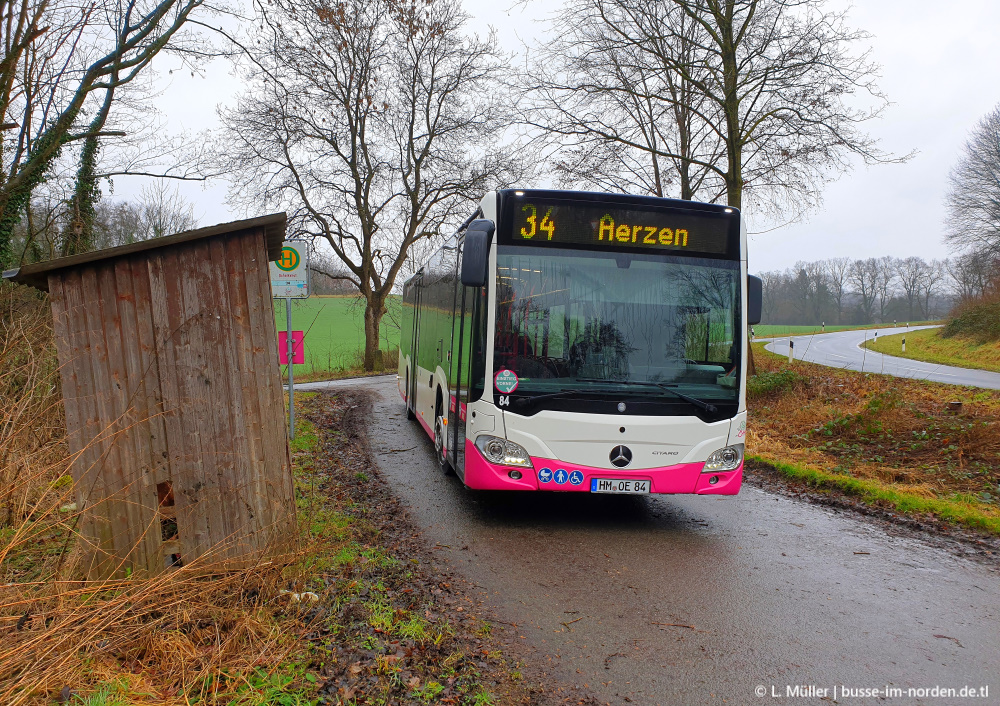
{"x": 589, "y": 342}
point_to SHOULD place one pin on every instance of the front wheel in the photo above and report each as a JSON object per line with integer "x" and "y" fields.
{"x": 439, "y": 447}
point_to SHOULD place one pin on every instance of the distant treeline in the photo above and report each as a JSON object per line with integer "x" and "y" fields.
{"x": 875, "y": 290}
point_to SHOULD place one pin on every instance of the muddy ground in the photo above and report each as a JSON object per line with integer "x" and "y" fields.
{"x": 959, "y": 539}
{"x": 467, "y": 655}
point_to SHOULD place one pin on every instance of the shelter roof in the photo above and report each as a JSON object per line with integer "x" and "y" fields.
{"x": 37, "y": 274}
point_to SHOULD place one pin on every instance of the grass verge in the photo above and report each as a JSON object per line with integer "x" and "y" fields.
{"x": 886, "y": 440}
{"x": 338, "y": 374}
{"x": 873, "y": 492}
{"x": 930, "y": 346}
{"x": 394, "y": 627}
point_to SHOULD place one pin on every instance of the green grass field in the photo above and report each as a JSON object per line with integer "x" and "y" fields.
{"x": 335, "y": 339}
{"x": 334, "y": 331}
{"x": 773, "y": 330}
{"x": 928, "y": 345}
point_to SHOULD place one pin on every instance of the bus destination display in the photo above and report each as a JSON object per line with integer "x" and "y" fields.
{"x": 539, "y": 222}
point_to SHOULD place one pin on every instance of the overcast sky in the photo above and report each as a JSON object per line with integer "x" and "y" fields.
{"x": 940, "y": 69}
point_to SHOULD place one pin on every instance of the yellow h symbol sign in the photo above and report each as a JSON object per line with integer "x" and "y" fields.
{"x": 288, "y": 260}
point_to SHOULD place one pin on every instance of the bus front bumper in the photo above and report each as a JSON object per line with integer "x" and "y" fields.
{"x": 681, "y": 478}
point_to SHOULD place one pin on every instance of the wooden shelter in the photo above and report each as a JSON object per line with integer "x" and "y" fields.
{"x": 174, "y": 405}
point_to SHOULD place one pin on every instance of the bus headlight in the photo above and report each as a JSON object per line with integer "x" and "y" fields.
{"x": 726, "y": 459}
{"x": 503, "y": 452}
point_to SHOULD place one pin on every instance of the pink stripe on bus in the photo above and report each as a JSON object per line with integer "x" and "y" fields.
{"x": 426, "y": 426}
{"x": 680, "y": 478}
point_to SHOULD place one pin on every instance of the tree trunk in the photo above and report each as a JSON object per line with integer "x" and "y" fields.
{"x": 374, "y": 310}
{"x": 731, "y": 103}
{"x": 79, "y": 237}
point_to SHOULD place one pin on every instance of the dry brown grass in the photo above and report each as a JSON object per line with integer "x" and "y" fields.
{"x": 32, "y": 429}
{"x": 877, "y": 427}
{"x": 195, "y": 633}
{"x": 178, "y": 637}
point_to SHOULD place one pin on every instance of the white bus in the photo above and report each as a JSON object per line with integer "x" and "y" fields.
{"x": 588, "y": 342}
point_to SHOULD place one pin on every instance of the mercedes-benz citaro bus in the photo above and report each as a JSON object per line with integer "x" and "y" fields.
{"x": 588, "y": 342}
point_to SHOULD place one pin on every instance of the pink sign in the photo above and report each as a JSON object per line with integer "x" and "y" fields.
{"x": 298, "y": 349}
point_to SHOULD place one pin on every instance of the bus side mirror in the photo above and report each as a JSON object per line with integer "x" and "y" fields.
{"x": 755, "y": 299}
{"x": 476, "y": 253}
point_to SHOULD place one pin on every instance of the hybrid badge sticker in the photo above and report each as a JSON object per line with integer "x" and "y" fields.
{"x": 505, "y": 381}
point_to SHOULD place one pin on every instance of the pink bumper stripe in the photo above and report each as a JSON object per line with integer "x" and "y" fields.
{"x": 426, "y": 426}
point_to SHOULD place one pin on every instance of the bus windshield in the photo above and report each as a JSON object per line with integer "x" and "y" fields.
{"x": 634, "y": 325}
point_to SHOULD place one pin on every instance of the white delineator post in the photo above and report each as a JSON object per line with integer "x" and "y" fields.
{"x": 791, "y": 350}
{"x": 904, "y": 344}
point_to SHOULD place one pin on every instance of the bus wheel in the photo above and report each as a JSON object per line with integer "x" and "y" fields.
{"x": 439, "y": 432}
{"x": 409, "y": 409}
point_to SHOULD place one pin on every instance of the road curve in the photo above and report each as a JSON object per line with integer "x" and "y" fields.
{"x": 702, "y": 599}
{"x": 842, "y": 349}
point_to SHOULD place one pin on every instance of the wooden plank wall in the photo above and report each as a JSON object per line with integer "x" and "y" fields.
{"x": 174, "y": 405}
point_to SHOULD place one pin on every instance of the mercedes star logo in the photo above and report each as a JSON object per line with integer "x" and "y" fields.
{"x": 621, "y": 456}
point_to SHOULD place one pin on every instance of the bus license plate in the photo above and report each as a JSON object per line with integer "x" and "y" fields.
{"x": 619, "y": 485}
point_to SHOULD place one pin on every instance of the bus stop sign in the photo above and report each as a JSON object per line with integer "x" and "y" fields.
{"x": 290, "y": 272}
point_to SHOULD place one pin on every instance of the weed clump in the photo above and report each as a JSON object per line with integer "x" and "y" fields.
{"x": 979, "y": 321}
{"x": 767, "y": 382}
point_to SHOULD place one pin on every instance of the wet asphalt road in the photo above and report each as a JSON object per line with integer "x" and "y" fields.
{"x": 841, "y": 349}
{"x": 689, "y": 600}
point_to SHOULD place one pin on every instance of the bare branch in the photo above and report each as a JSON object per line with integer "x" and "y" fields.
{"x": 373, "y": 123}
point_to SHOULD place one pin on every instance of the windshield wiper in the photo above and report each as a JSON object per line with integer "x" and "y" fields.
{"x": 700, "y": 404}
{"x": 549, "y": 395}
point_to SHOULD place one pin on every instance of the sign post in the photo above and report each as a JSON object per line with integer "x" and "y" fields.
{"x": 290, "y": 280}
{"x": 291, "y": 365}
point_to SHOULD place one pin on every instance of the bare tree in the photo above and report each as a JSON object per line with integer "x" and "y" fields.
{"x": 163, "y": 211}
{"x": 158, "y": 210}
{"x": 141, "y": 147}
{"x": 911, "y": 273}
{"x": 934, "y": 275}
{"x": 770, "y": 295}
{"x": 885, "y": 278}
{"x": 972, "y": 275}
{"x": 864, "y": 277}
{"x": 837, "y": 271}
{"x": 819, "y": 289}
{"x": 780, "y": 80}
{"x": 619, "y": 118}
{"x": 861, "y": 291}
{"x": 374, "y": 122}
{"x": 62, "y": 64}
{"x": 37, "y": 236}
{"x": 974, "y": 195}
